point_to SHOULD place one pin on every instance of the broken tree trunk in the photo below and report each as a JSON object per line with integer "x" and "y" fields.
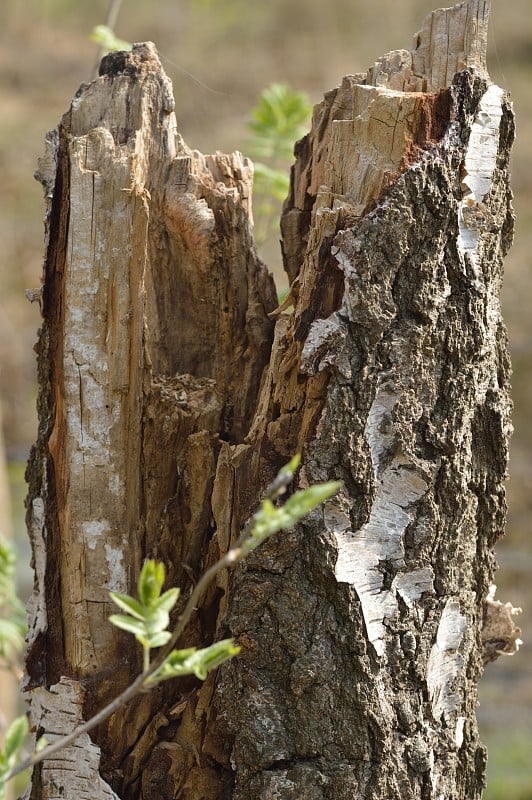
{"x": 170, "y": 395}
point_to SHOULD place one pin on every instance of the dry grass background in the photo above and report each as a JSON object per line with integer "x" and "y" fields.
{"x": 220, "y": 54}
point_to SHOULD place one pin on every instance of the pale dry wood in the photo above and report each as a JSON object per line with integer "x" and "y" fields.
{"x": 500, "y": 634}
{"x": 450, "y": 40}
{"x": 154, "y": 338}
{"x": 74, "y": 773}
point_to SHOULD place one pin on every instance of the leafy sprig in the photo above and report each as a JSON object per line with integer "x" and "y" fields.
{"x": 148, "y": 617}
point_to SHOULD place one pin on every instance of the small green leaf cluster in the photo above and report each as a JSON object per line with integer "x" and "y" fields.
{"x": 14, "y": 741}
{"x": 12, "y": 615}
{"x": 149, "y": 616}
{"x": 270, "y": 519}
{"x": 195, "y": 662}
{"x": 278, "y": 120}
{"x": 148, "y": 619}
{"x": 108, "y": 40}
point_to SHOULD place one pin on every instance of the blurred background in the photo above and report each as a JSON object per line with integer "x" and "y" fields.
{"x": 220, "y": 55}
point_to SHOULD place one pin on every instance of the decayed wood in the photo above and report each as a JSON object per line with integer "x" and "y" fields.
{"x": 169, "y": 398}
{"x": 59, "y": 710}
{"x": 154, "y": 339}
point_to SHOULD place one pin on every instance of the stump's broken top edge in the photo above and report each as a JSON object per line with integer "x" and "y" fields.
{"x": 450, "y": 40}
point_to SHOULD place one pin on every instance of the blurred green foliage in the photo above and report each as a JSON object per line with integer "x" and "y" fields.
{"x": 12, "y": 612}
{"x": 10, "y": 753}
{"x": 280, "y": 117}
{"x": 278, "y": 120}
{"x": 148, "y": 617}
{"x": 108, "y": 40}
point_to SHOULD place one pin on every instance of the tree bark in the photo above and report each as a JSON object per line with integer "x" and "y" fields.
{"x": 171, "y": 392}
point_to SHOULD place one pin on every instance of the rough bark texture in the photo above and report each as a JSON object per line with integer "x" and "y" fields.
{"x": 168, "y": 401}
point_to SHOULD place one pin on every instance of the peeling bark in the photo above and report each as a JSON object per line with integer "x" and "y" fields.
{"x": 170, "y": 396}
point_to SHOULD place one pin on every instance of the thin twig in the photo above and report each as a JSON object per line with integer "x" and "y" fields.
{"x": 231, "y": 557}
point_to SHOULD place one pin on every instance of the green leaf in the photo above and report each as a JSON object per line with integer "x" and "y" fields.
{"x": 129, "y": 604}
{"x": 289, "y": 470}
{"x": 278, "y": 120}
{"x": 196, "y": 662}
{"x": 283, "y": 478}
{"x": 15, "y": 736}
{"x": 156, "y": 620}
{"x": 178, "y": 657}
{"x": 303, "y": 501}
{"x": 158, "y": 639}
{"x": 218, "y": 652}
{"x": 149, "y": 618}
{"x": 128, "y": 624}
{"x": 151, "y": 580}
{"x": 270, "y": 519}
{"x": 167, "y": 600}
{"x": 108, "y": 40}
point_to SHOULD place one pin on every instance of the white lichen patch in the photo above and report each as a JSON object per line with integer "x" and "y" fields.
{"x": 365, "y": 555}
{"x": 37, "y": 611}
{"x": 324, "y": 346}
{"x": 500, "y": 635}
{"x": 479, "y": 165}
{"x": 379, "y": 428}
{"x": 459, "y": 732}
{"x": 89, "y": 420}
{"x": 116, "y": 485}
{"x": 117, "y": 581}
{"x": 446, "y": 662}
{"x": 412, "y": 585}
{"x": 93, "y": 531}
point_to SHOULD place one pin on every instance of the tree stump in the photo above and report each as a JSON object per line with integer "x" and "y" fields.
{"x": 171, "y": 391}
